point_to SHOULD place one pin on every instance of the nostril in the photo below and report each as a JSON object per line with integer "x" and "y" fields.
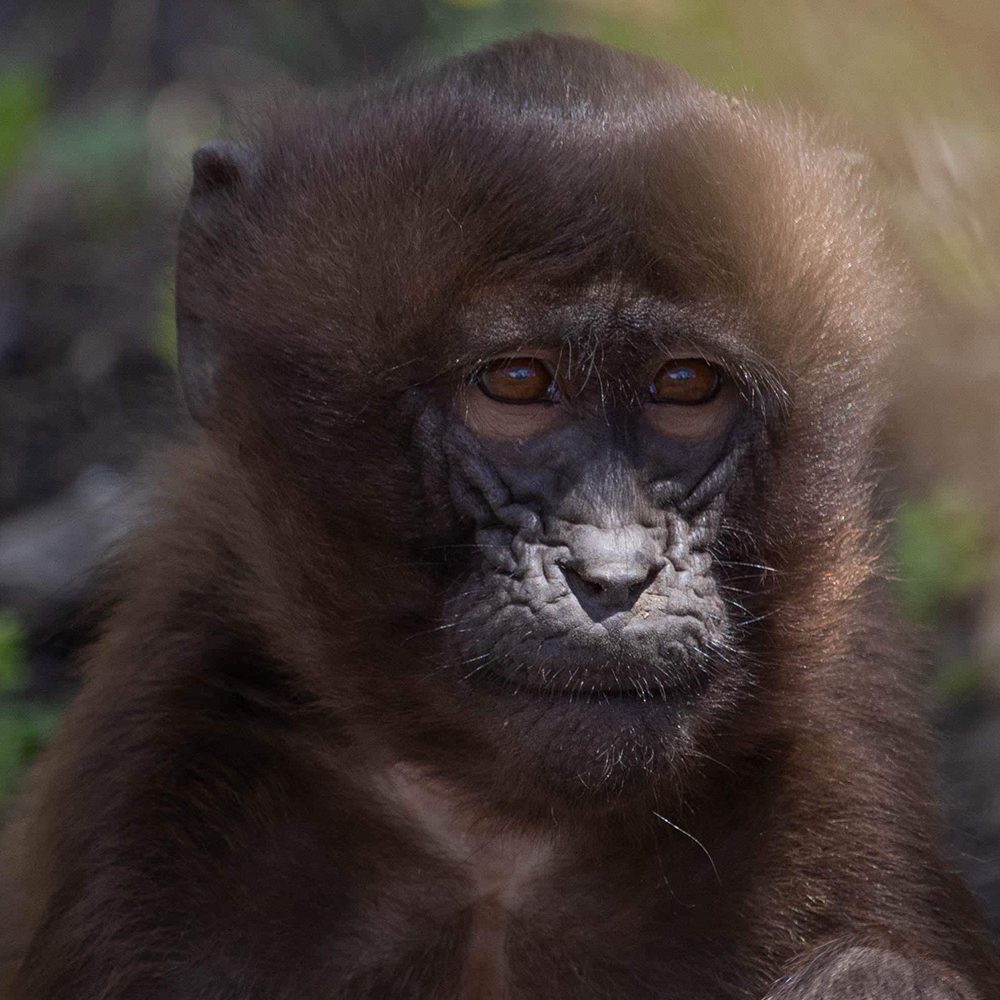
{"x": 602, "y": 590}
{"x": 644, "y": 584}
{"x": 594, "y": 588}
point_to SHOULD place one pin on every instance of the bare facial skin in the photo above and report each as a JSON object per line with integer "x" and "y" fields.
{"x": 513, "y": 625}
{"x": 531, "y": 392}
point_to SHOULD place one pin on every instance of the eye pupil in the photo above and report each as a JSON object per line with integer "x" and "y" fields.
{"x": 685, "y": 381}
{"x": 516, "y": 380}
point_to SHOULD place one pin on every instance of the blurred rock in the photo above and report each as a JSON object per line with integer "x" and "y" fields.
{"x": 48, "y": 553}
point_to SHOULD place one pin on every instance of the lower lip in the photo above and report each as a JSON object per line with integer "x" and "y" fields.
{"x": 599, "y": 697}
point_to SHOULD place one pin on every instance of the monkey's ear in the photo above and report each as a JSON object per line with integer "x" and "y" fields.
{"x": 221, "y": 172}
{"x": 220, "y": 167}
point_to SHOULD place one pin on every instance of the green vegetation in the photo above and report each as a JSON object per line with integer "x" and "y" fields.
{"x": 164, "y": 318}
{"x": 945, "y": 557}
{"x": 24, "y": 730}
{"x": 943, "y": 553}
{"x": 24, "y": 727}
{"x": 23, "y": 101}
{"x": 12, "y": 654}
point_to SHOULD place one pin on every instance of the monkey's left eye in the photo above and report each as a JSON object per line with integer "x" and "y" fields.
{"x": 686, "y": 381}
{"x": 516, "y": 380}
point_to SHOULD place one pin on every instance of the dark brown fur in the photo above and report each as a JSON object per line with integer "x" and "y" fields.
{"x": 225, "y": 814}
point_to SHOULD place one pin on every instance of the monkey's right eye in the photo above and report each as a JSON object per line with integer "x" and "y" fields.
{"x": 516, "y": 380}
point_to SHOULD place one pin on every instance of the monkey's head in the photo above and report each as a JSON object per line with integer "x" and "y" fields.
{"x": 554, "y": 371}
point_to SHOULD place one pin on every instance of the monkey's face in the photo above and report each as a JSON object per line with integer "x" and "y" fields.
{"x": 589, "y": 474}
{"x": 544, "y": 402}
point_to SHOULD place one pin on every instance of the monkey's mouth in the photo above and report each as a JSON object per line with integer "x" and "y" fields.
{"x": 600, "y": 685}
{"x": 640, "y": 694}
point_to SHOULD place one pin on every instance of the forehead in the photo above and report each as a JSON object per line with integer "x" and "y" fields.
{"x": 437, "y": 229}
{"x": 544, "y": 240}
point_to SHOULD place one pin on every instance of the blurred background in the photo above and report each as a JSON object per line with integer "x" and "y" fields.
{"x": 103, "y": 101}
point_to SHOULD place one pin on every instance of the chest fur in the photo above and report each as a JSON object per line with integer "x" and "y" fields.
{"x": 494, "y": 870}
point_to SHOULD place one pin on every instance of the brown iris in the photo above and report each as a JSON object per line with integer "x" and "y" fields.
{"x": 516, "y": 380}
{"x": 686, "y": 381}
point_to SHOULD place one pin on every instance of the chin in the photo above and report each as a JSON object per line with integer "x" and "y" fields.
{"x": 580, "y": 743}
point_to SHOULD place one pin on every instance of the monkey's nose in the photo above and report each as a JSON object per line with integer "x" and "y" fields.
{"x": 606, "y": 588}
